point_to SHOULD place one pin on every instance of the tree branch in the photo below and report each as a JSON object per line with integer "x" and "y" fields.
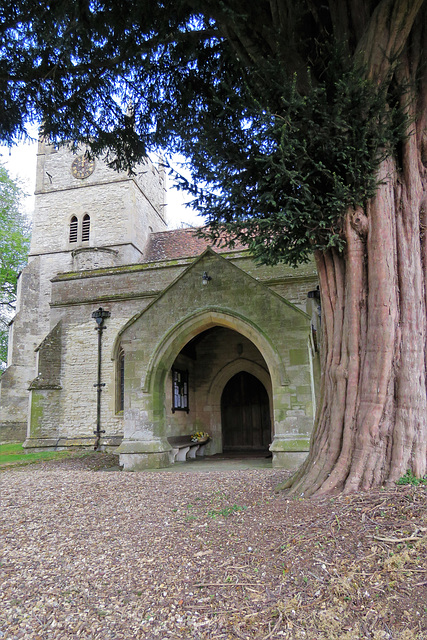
{"x": 386, "y": 35}
{"x": 106, "y": 63}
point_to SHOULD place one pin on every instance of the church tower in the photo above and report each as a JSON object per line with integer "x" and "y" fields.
{"x": 92, "y": 215}
{"x": 86, "y": 216}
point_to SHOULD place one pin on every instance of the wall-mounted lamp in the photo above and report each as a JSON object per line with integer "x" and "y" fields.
{"x": 205, "y": 278}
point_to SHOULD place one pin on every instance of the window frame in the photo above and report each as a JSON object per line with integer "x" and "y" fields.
{"x": 180, "y": 389}
{"x": 73, "y": 230}
{"x": 120, "y": 382}
{"x": 86, "y": 228}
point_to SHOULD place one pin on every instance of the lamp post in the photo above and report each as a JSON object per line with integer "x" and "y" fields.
{"x": 99, "y": 316}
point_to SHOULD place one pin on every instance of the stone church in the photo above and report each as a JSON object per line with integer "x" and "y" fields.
{"x": 127, "y": 333}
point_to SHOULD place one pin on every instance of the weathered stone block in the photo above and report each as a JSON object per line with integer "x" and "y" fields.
{"x": 288, "y": 460}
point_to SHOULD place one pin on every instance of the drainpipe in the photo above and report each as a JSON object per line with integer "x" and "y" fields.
{"x": 99, "y": 316}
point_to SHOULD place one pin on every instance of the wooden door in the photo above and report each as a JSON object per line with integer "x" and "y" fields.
{"x": 245, "y": 414}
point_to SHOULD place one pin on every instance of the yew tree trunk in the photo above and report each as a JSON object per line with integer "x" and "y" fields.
{"x": 371, "y": 423}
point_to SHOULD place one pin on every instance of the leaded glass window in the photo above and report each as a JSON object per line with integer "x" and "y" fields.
{"x": 179, "y": 390}
{"x": 121, "y": 381}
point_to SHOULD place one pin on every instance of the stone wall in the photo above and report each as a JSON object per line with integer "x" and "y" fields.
{"x": 65, "y": 282}
{"x": 123, "y": 209}
{"x": 140, "y": 280}
{"x": 233, "y": 300}
{"x": 127, "y": 292}
{"x": 30, "y": 325}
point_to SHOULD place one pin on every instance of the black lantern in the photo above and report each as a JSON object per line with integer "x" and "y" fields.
{"x": 99, "y": 316}
{"x": 205, "y": 278}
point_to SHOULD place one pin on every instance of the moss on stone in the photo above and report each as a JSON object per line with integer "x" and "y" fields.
{"x": 143, "y": 462}
{"x": 296, "y": 444}
{"x": 127, "y": 268}
{"x": 298, "y": 357}
{"x": 36, "y": 415}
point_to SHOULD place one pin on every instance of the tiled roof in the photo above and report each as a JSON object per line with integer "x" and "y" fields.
{"x": 178, "y": 243}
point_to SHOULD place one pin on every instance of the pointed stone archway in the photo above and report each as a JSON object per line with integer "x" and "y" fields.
{"x": 273, "y": 334}
{"x": 149, "y": 419}
{"x": 210, "y": 360}
{"x": 230, "y": 334}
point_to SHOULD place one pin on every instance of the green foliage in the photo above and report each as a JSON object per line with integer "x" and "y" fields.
{"x": 298, "y": 170}
{"x": 409, "y": 478}
{"x": 4, "y": 336}
{"x": 14, "y": 245}
{"x": 281, "y": 129}
{"x": 225, "y": 512}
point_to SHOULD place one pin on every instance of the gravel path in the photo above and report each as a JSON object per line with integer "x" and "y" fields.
{"x": 99, "y": 555}
{"x": 91, "y": 554}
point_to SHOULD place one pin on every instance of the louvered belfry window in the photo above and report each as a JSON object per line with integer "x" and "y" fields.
{"x": 74, "y": 227}
{"x": 86, "y": 227}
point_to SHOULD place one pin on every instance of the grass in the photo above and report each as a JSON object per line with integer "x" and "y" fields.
{"x": 12, "y": 454}
{"x": 409, "y": 478}
{"x": 226, "y": 511}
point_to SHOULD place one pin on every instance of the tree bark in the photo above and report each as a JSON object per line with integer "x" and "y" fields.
{"x": 371, "y": 424}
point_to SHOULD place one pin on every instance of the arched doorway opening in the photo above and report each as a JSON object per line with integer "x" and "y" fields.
{"x": 207, "y": 363}
{"x": 175, "y": 374}
{"x": 245, "y": 414}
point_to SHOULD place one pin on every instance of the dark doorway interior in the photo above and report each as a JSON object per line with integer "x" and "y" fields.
{"x": 245, "y": 414}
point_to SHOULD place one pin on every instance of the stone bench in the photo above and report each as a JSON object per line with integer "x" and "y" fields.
{"x": 184, "y": 448}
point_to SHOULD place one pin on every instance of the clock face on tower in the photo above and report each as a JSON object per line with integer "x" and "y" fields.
{"x": 82, "y": 167}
